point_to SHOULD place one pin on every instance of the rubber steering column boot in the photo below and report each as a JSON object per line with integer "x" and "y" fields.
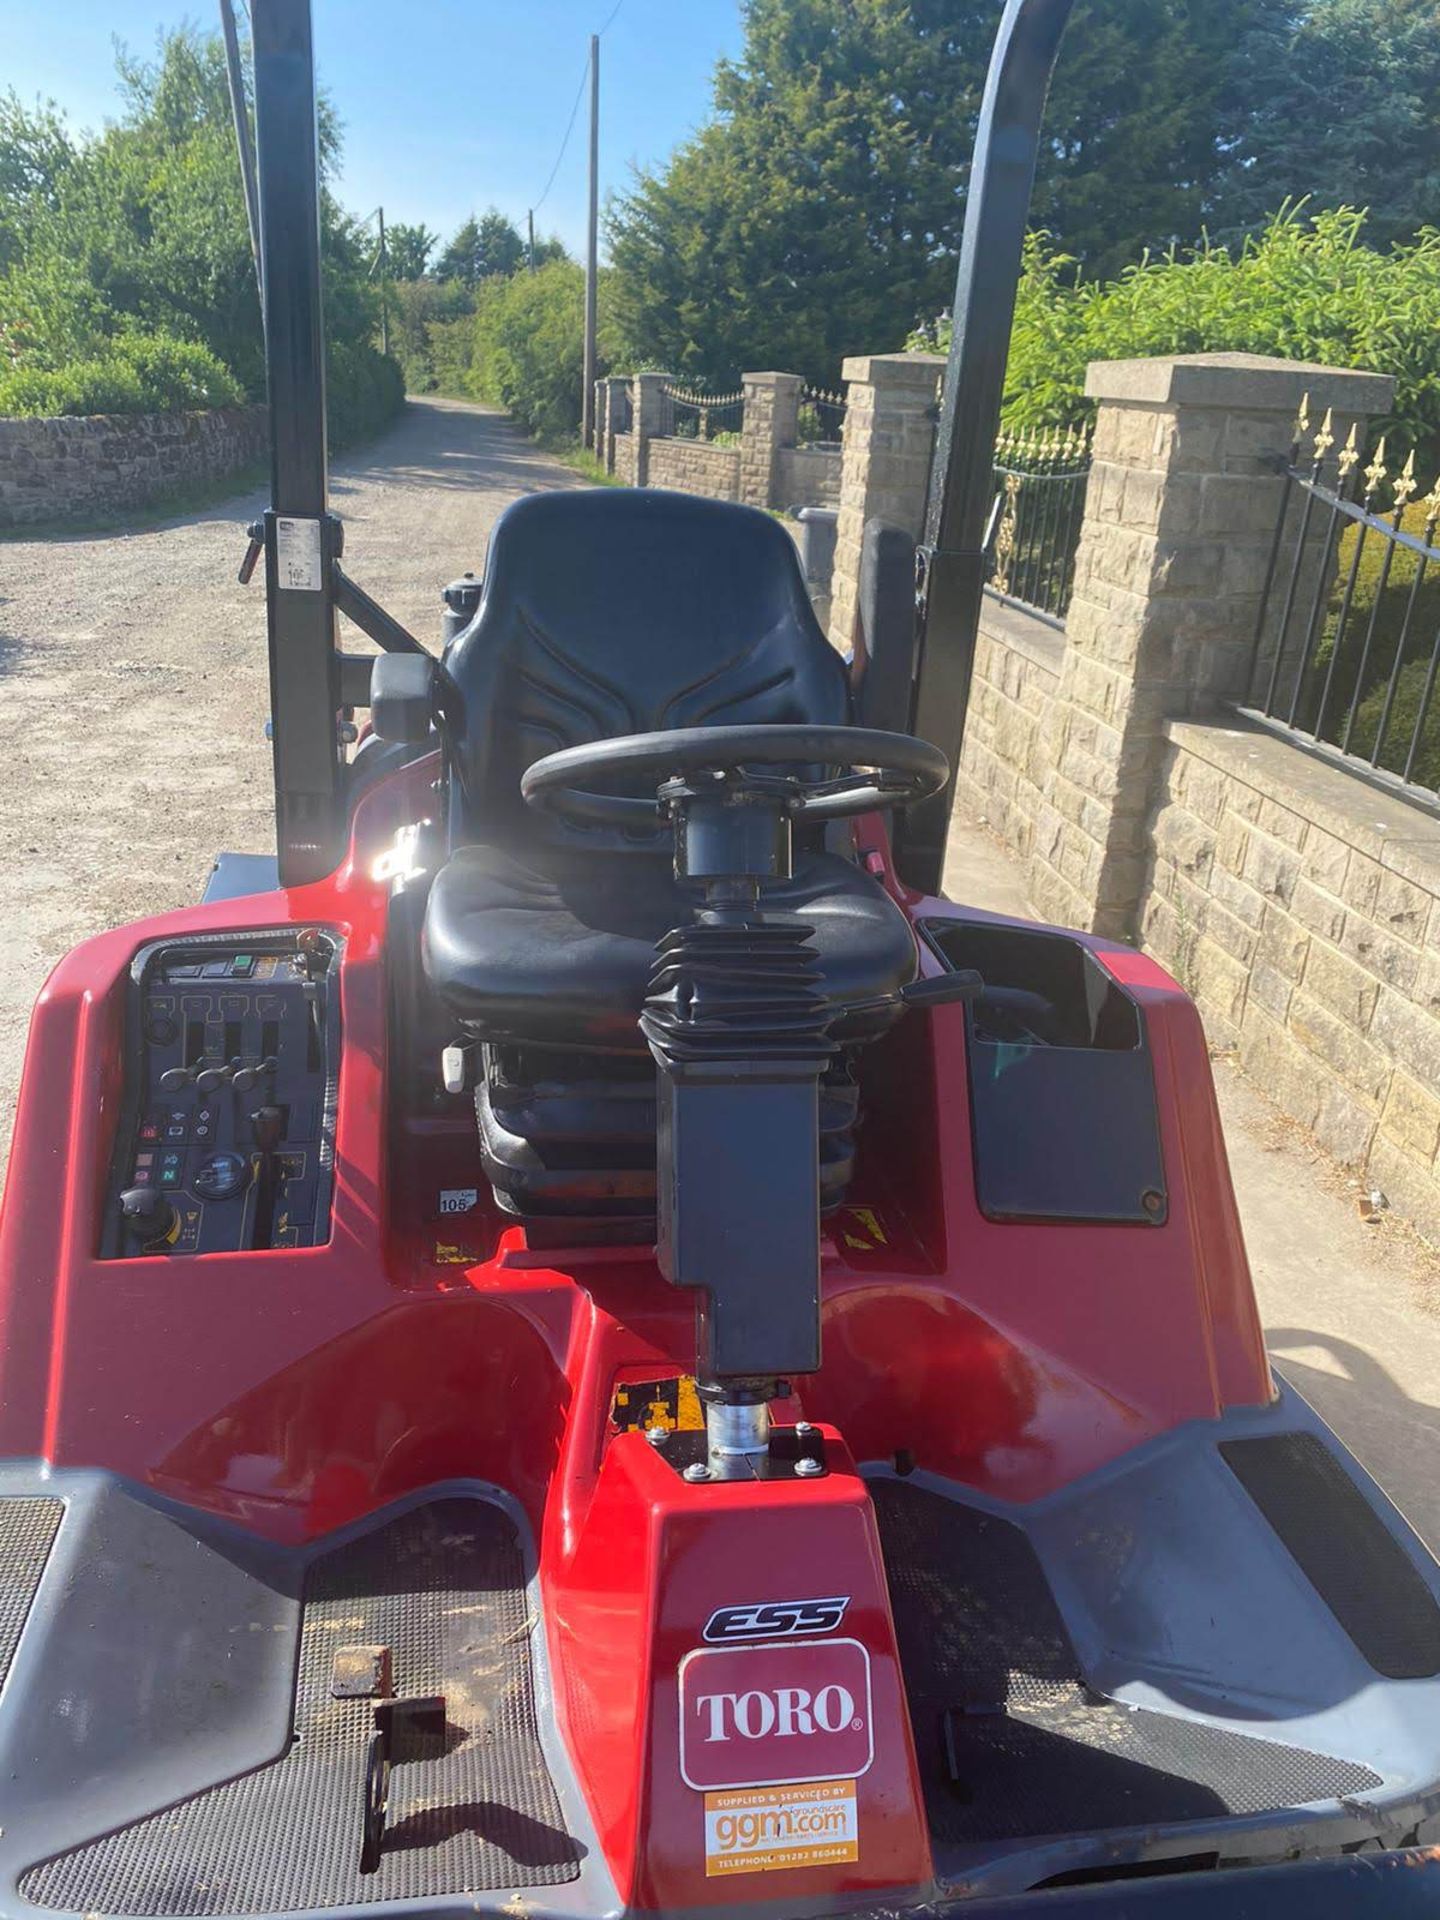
{"x": 738, "y": 1024}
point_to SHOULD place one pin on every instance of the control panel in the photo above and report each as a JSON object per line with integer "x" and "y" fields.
{"x": 227, "y": 1131}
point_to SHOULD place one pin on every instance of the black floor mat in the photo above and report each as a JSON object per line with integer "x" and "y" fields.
{"x": 443, "y": 1586}
{"x": 27, "y": 1533}
{"x": 986, "y": 1655}
{"x": 1346, "y": 1551}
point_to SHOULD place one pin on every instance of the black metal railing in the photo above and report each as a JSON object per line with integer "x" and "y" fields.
{"x": 821, "y": 421}
{"x": 688, "y": 413}
{"x": 1347, "y": 643}
{"x": 1040, "y": 480}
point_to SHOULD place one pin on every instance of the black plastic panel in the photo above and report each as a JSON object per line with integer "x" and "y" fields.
{"x": 442, "y": 1586}
{"x": 1062, "y": 1091}
{"x": 235, "y": 876}
{"x": 221, "y": 1028}
{"x": 1011, "y": 1741}
{"x": 1344, "y": 1549}
{"x": 27, "y": 1533}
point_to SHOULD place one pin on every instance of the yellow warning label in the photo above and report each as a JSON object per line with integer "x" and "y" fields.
{"x": 860, "y": 1228}
{"x": 672, "y": 1404}
{"x": 447, "y": 1255}
{"x": 759, "y": 1829}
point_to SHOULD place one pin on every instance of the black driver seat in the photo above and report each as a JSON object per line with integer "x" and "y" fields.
{"x": 610, "y": 612}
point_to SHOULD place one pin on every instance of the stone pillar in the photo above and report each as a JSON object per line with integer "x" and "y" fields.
{"x": 648, "y": 419}
{"x": 612, "y": 390}
{"x": 1180, "y": 516}
{"x": 771, "y": 421}
{"x": 885, "y": 463}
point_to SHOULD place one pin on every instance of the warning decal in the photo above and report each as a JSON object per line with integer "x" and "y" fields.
{"x": 298, "y": 555}
{"x": 757, "y": 1829}
{"x": 673, "y": 1404}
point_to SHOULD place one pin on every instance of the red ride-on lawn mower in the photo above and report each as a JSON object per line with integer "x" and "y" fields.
{"x": 585, "y": 1344}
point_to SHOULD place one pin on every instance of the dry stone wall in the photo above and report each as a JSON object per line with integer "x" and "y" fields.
{"x": 74, "y": 468}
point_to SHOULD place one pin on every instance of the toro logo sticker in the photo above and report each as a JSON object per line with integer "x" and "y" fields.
{"x": 774, "y": 1620}
{"x": 773, "y": 1716}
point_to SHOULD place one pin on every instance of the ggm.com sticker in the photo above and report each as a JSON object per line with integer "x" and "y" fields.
{"x": 757, "y": 1829}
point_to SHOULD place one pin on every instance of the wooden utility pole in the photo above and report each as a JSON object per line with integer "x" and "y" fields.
{"x": 530, "y": 222}
{"x": 587, "y": 414}
{"x": 384, "y": 289}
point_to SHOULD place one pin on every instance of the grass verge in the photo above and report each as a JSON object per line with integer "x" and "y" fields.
{"x": 579, "y": 459}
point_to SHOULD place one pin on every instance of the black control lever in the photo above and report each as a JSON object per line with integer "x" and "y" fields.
{"x": 268, "y": 1126}
{"x": 964, "y": 984}
{"x": 256, "y": 532}
{"x": 248, "y": 1077}
{"x": 940, "y": 991}
{"x": 148, "y": 1215}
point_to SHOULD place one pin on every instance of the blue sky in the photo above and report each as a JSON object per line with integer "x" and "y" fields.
{"x": 448, "y": 105}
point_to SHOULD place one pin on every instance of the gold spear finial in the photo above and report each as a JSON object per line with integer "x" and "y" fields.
{"x": 1324, "y": 439}
{"x": 1302, "y": 419}
{"x": 1431, "y": 504}
{"x": 1405, "y": 482}
{"x": 1348, "y": 454}
{"x": 1375, "y": 472}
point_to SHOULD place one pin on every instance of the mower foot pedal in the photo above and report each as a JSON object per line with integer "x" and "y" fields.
{"x": 404, "y": 1730}
{"x": 377, "y": 1800}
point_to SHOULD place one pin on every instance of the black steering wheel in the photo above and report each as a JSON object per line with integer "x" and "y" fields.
{"x": 883, "y": 770}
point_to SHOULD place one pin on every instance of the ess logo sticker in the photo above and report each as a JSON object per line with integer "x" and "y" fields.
{"x": 775, "y": 1716}
{"x": 774, "y": 1620}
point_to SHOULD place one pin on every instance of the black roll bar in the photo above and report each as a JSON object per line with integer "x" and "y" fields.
{"x": 300, "y": 537}
{"x": 952, "y": 562}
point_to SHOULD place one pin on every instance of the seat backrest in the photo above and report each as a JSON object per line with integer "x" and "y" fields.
{"x": 609, "y": 611}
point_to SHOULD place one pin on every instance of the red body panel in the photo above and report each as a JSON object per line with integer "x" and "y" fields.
{"x": 295, "y": 1390}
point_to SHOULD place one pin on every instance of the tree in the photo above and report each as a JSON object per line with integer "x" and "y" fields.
{"x": 35, "y": 154}
{"x": 140, "y": 232}
{"x": 527, "y": 345}
{"x": 409, "y": 249}
{"x": 820, "y": 210}
{"x": 547, "y": 248}
{"x": 1350, "y": 117}
{"x": 482, "y": 247}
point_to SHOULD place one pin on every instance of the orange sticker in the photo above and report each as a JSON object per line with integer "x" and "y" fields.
{"x": 760, "y": 1829}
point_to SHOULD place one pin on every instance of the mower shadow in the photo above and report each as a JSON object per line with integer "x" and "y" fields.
{"x": 1394, "y": 1437}
{"x": 531, "y": 1843}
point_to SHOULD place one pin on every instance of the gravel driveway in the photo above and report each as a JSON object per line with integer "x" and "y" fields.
{"x": 133, "y": 685}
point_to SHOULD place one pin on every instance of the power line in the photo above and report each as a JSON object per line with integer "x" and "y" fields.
{"x": 575, "y": 108}
{"x": 569, "y": 129}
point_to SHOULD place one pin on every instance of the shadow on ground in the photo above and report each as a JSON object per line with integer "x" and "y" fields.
{"x": 486, "y": 454}
{"x": 1388, "y": 1431}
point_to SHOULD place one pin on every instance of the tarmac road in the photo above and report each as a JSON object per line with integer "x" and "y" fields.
{"x": 132, "y": 705}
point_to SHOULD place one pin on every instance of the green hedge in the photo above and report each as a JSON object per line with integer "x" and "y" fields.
{"x": 1409, "y": 692}
{"x": 365, "y": 389}
{"x": 529, "y": 344}
{"x": 1307, "y": 288}
{"x": 153, "y": 374}
{"x": 138, "y": 373}
{"x": 1406, "y": 605}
